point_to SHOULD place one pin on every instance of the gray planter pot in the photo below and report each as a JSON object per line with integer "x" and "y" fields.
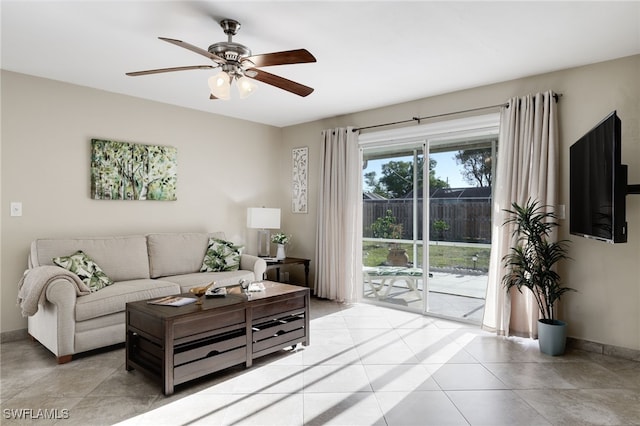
{"x": 552, "y": 337}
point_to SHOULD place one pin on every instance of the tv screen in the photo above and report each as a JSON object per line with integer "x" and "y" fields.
{"x": 598, "y": 184}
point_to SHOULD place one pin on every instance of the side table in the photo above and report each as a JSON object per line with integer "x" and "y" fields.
{"x": 290, "y": 261}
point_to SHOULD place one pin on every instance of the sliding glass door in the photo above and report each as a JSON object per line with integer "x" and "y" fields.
{"x": 426, "y": 213}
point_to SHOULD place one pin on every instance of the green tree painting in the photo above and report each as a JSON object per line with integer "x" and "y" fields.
{"x": 127, "y": 171}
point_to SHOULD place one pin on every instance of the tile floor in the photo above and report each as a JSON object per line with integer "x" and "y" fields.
{"x": 366, "y": 365}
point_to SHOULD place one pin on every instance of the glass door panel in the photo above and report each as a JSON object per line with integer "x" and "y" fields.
{"x": 460, "y": 226}
{"x": 393, "y": 217}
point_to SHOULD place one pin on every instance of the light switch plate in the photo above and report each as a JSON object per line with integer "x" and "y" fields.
{"x": 16, "y": 208}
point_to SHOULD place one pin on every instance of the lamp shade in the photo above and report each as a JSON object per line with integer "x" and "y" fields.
{"x": 263, "y": 218}
{"x": 220, "y": 85}
{"x": 245, "y": 87}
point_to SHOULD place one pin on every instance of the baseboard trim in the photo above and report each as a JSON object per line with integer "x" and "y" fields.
{"x": 604, "y": 349}
{"x": 12, "y": 336}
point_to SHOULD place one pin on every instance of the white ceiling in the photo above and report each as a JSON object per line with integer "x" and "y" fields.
{"x": 369, "y": 54}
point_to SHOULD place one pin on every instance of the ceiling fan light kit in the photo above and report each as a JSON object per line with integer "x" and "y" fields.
{"x": 237, "y": 63}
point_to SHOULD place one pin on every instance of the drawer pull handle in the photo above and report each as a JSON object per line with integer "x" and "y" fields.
{"x": 213, "y": 353}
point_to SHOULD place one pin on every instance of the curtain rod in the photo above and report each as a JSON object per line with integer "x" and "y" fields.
{"x": 556, "y": 96}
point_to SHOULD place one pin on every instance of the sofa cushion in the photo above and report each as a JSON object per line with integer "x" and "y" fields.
{"x": 85, "y": 268}
{"x": 222, "y": 279}
{"x": 179, "y": 253}
{"x": 121, "y": 258}
{"x": 221, "y": 255}
{"x": 114, "y": 298}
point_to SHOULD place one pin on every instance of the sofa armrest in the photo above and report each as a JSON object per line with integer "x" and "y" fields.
{"x": 256, "y": 264}
{"x": 54, "y": 323}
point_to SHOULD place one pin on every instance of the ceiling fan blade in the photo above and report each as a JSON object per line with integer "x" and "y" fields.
{"x": 281, "y": 82}
{"x": 299, "y": 56}
{"x": 160, "y": 70}
{"x": 196, "y": 49}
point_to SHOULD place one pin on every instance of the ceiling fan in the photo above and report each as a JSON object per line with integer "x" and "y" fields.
{"x": 237, "y": 63}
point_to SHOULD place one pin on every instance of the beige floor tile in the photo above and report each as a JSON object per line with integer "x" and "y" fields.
{"x": 332, "y": 337}
{"x": 400, "y": 378}
{"x": 336, "y": 378}
{"x": 198, "y": 408}
{"x": 464, "y": 377}
{"x": 420, "y": 408}
{"x": 495, "y": 407}
{"x": 330, "y": 355}
{"x": 265, "y": 410}
{"x": 353, "y": 409}
{"x": 279, "y": 379}
{"x": 590, "y": 375}
{"x": 529, "y": 375}
{"x": 586, "y": 406}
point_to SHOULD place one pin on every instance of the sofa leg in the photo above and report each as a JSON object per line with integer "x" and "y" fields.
{"x": 64, "y": 359}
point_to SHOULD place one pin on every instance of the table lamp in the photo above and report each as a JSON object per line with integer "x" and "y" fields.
{"x": 263, "y": 219}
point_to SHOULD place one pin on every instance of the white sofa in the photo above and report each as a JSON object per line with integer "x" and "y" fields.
{"x": 141, "y": 266}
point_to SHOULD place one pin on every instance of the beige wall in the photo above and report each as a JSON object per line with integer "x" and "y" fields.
{"x": 606, "y": 308}
{"x": 47, "y": 127}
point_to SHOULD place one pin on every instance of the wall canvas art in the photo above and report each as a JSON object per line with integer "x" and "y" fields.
{"x": 300, "y": 157}
{"x": 129, "y": 171}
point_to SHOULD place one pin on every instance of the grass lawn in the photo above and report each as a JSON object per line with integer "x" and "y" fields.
{"x": 440, "y": 256}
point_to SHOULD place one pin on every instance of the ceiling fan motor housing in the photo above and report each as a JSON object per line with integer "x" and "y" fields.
{"x": 230, "y": 51}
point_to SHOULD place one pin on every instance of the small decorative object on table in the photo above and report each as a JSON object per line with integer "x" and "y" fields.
{"x": 200, "y": 291}
{"x": 280, "y": 239}
{"x": 216, "y": 292}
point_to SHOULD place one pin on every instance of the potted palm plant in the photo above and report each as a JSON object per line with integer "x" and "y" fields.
{"x": 532, "y": 264}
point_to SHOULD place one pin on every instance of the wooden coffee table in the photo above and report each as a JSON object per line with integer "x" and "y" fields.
{"x": 178, "y": 344}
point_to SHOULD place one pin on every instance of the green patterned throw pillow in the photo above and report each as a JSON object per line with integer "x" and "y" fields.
{"x": 85, "y": 268}
{"x": 221, "y": 256}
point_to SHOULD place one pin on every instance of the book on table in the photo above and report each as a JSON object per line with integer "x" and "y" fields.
{"x": 172, "y": 301}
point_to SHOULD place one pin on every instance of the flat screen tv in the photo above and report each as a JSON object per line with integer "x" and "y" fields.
{"x": 598, "y": 184}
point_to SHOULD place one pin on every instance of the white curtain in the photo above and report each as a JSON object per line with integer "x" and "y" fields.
{"x": 527, "y": 168}
{"x": 339, "y": 230}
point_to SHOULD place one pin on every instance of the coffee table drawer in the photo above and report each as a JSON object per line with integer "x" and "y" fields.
{"x": 208, "y": 365}
{"x": 277, "y": 308}
{"x": 277, "y": 327}
{"x": 209, "y": 347}
{"x": 279, "y": 340}
{"x": 211, "y": 321}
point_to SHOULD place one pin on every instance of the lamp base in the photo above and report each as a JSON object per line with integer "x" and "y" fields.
{"x": 264, "y": 245}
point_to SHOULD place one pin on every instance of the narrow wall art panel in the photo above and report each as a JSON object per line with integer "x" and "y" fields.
{"x": 129, "y": 171}
{"x": 300, "y": 158}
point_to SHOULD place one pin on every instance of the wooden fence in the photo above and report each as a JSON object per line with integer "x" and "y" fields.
{"x": 466, "y": 220}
